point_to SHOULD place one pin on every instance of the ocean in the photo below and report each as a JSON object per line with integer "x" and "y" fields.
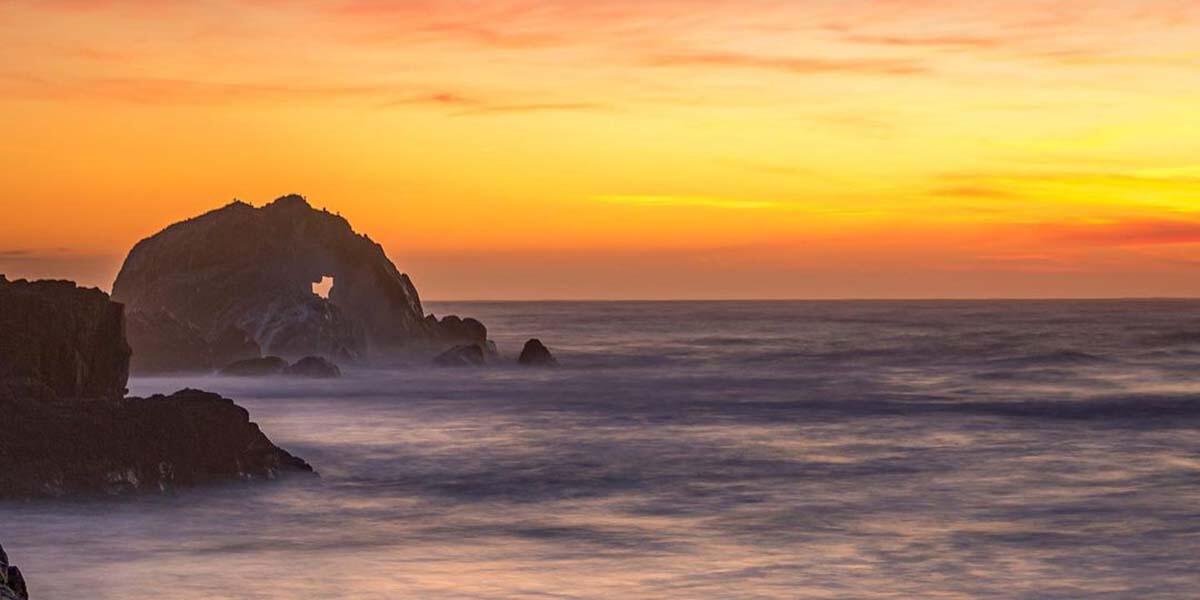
{"x": 856, "y": 449}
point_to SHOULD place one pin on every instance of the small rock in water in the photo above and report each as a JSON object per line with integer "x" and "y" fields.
{"x": 314, "y": 366}
{"x": 255, "y": 367}
{"x": 536, "y": 354}
{"x": 469, "y": 355}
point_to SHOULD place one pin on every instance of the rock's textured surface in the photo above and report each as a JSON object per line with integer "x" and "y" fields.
{"x": 70, "y": 447}
{"x": 255, "y": 367}
{"x": 59, "y": 339}
{"x": 250, "y": 270}
{"x": 65, "y": 428}
{"x": 12, "y": 583}
{"x": 313, "y": 366}
{"x": 453, "y": 329}
{"x": 536, "y": 354}
{"x": 165, "y": 344}
{"x": 467, "y": 355}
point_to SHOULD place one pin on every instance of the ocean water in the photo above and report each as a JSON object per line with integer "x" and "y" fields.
{"x": 698, "y": 450}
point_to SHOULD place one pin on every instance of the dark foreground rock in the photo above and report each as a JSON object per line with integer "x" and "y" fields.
{"x": 246, "y": 272}
{"x": 61, "y": 340}
{"x": 313, "y": 366}
{"x": 71, "y": 447}
{"x": 469, "y": 355}
{"x": 66, "y": 429}
{"x": 255, "y": 367}
{"x": 12, "y": 583}
{"x": 536, "y": 354}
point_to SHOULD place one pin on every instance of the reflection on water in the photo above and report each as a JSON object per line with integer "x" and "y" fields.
{"x": 737, "y": 450}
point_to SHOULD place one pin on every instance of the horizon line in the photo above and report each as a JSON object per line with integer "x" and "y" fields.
{"x": 838, "y": 299}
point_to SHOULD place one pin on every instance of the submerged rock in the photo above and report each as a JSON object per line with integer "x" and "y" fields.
{"x": 251, "y": 270}
{"x": 468, "y": 355}
{"x": 255, "y": 367}
{"x": 535, "y": 354}
{"x": 61, "y": 339}
{"x": 65, "y": 428}
{"x": 314, "y": 366}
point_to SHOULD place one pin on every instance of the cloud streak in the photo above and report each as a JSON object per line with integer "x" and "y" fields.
{"x": 686, "y": 201}
{"x": 1134, "y": 233}
{"x": 790, "y": 65}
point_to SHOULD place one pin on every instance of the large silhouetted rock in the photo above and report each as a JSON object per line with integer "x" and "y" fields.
{"x": 241, "y": 270}
{"x": 59, "y": 339}
{"x": 65, "y": 428}
{"x": 165, "y": 344}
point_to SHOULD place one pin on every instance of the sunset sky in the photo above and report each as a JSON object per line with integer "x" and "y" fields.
{"x": 626, "y": 148}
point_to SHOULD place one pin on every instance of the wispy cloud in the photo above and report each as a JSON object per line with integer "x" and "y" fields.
{"x": 1133, "y": 233}
{"x": 792, "y": 65}
{"x": 466, "y": 105}
{"x": 494, "y": 38}
{"x": 495, "y": 109}
{"x": 149, "y": 90}
{"x": 671, "y": 201}
{"x": 974, "y": 191}
{"x": 937, "y": 41}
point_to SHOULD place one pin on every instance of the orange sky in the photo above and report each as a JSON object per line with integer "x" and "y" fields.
{"x": 626, "y": 149}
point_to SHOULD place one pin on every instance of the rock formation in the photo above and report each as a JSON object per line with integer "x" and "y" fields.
{"x": 535, "y": 354}
{"x": 255, "y": 367}
{"x": 133, "y": 444}
{"x": 62, "y": 340}
{"x": 66, "y": 428}
{"x": 241, "y": 272}
{"x": 466, "y": 355}
{"x": 12, "y": 583}
{"x": 313, "y": 366}
{"x": 309, "y": 366}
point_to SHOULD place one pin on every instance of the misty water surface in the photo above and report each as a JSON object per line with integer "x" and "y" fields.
{"x": 698, "y": 450}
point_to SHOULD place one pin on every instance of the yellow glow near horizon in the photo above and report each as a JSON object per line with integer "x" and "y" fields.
{"x": 678, "y": 148}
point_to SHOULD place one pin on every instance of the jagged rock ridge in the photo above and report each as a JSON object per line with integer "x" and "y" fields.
{"x": 246, "y": 273}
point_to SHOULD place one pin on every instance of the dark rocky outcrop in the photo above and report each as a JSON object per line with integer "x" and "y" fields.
{"x": 65, "y": 427}
{"x": 61, "y": 340}
{"x": 313, "y": 366}
{"x": 255, "y": 367}
{"x": 536, "y": 354}
{"x": 455, "y": 330}
{"x": 241, "y": 270}
{"x": 191, "y": 437}
{"x": 12, "y": 583}
{"x": 467, "y": 355}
